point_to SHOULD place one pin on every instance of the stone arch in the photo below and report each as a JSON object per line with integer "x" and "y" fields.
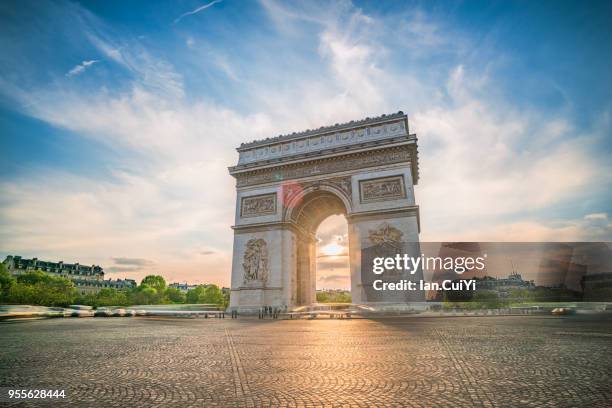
{"x": 322, "y": 190}
{"x": 307, "y": 212}
{"x": 287, "y": 185}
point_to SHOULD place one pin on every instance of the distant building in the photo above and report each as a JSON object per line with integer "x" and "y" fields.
{"x": 513, "y": 281}
{"x": 17, "y": 265}
{"x": 183, "y": 287}
{"x": 87, "y": 279}
{"x": 94, "y": 286}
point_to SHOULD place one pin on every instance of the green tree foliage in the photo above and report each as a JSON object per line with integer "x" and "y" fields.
{"x": 210, "y": 294}
{"x": 174, "y": 295}
{"x": 483, "y": 299}
{"x": 486, "y": 300}
{"x": 145, "y": 295}
{"x": 39, "y": 288}
{"x": 521, "y": 295}
{"x": 333, "y": 297}
{"x": 6, "y": 282}
{"x": 157, "y": 282}
{"x": 106, "y": 297}
{"x": 322, "y": 297}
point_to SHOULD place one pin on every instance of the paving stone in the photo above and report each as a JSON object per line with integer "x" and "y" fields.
{"x": 413, "y": 362}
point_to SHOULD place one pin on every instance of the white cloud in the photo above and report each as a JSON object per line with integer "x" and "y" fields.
{"x": 80, "y": 68}
{"x": 153, "y": 73}
{"x": 597, "y": 217}
{"x": 197, "y": 10}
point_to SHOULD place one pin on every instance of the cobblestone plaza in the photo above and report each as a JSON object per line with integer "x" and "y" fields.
{"x": 420, "y": 362}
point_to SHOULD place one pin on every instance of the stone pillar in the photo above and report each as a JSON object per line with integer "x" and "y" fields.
{"x": 371, "y": 237}
{"x": 306, "y": 270}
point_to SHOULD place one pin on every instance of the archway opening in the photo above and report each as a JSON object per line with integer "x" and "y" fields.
{"x": 333, "y": 275}
{"x": 308, "y": 212}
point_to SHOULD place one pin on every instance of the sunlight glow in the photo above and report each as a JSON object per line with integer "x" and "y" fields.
{"x": 332, "y": 250}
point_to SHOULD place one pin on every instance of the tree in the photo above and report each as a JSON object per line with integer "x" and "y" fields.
{"x": 521, "y": 295}
{"x": 326, "y": 296}
{"x": 6, "y": 282}
{"x": 144, "y": 295}
{"x": 157, "y": 282}
{"x": 39, "y": 288}
{"x": 174, "y": 295}
{"x": 193, "y": 295}
{"x": 205, "y": 294}
{"x": 34, "y": 277}
{"x": 486, "y": 300}
{"x": 213, "y": 294}
{"x": 111, "y": 297}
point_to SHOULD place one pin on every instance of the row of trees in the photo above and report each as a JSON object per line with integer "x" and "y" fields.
{"x": 39, "y": 288}
{"x": 485, "y": 299}
{"x": 327, "y": 296}
{"x": 36, "y": 288}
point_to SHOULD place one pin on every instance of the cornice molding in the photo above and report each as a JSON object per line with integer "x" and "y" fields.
{"x": 405, "y": 152}
{"x": 322, "y": 130}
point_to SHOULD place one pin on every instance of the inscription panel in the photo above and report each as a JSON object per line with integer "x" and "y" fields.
{"x": 255, "y": 206}
{"x": 382, "y": 189}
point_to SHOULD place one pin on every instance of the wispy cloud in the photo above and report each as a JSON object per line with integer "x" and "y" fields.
{"x": 129, "y": 265}
{"x": 196, "y": 10}
{"x": 151, "y": 72}
{"x": 133, "y": 261}
{"x": 80, "y": 68}
{"x": 333, "y": 279}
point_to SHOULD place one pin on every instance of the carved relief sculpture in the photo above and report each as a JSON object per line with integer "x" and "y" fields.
{"x": 258, "y": 205}
{"x": 344, "y": 184}
{"x": 381, "y": 189}
{"x": 387, "y": 242}
{"x": 255, "y": 261}
{"x": 386, "y": 236}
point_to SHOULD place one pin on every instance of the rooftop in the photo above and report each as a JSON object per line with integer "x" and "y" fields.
{"x": 35, "y": 262}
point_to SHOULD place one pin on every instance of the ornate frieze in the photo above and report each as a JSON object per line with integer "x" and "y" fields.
{"x": 255, "y": 261}
{"x": 255, "y": 206}
{"x": 326, "y": 138}
{"x": 382, "y": 189}
{"x": 325, "y": 166}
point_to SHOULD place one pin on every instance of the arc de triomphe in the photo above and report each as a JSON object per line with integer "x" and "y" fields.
{"x": 287, "y": 185}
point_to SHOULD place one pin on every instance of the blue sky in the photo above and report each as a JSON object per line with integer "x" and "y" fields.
{"x": 118, "y": 120}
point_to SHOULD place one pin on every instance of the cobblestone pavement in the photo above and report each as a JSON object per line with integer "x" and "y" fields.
{"x": 420, "y": 362}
